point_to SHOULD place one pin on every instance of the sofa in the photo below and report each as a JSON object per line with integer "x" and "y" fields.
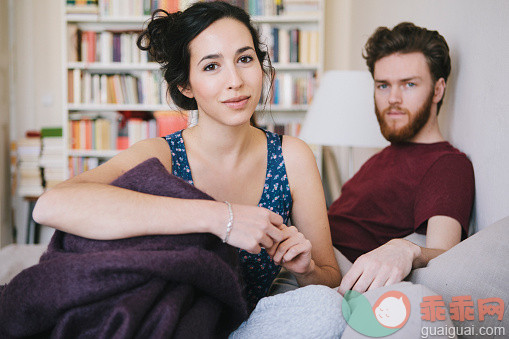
{"x": 477, "y": 269}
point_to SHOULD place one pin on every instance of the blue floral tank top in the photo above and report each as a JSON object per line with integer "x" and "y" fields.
{"x": 258, "y": 270}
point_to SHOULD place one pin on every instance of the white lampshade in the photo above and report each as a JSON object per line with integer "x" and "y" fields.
{"x": 343, "y": 112}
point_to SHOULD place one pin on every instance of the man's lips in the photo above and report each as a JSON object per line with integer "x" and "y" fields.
{"x": 394, "y": 113}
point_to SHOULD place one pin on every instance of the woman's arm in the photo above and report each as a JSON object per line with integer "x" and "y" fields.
{"x": 308, "y": 252}
{"x": 88, "y": 206}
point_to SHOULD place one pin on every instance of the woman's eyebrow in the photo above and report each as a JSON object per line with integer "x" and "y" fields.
{"x": 243, "y": 49}
{"x": 219, "y": 55}
{"x": 210, "y": 56}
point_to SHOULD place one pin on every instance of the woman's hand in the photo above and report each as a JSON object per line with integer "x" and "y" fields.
{"x": 293, "y": 252}
{"x": 253, "y": 227}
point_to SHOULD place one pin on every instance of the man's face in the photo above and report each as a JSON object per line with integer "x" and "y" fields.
{"x": 404, "y": 95}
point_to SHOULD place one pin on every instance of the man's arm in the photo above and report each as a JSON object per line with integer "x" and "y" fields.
{"x": 393, "y": 261}
{"x": 443, "y": 233}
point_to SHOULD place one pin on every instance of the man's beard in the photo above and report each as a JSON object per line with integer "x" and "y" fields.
{"x": 414, "y": 125}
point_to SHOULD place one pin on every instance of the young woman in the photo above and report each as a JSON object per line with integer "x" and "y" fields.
{"x": 213, "y": 62}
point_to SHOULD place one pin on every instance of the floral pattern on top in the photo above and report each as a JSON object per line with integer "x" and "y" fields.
{"x": 258, "y": 270}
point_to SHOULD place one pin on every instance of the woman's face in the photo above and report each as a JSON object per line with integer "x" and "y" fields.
{"x": 225, "y": 75}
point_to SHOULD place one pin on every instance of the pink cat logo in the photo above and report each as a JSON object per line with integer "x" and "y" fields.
{"x": 392, "y": 309}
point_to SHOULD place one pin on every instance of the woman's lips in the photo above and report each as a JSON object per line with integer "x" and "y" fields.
{"x": 237, "y": 103}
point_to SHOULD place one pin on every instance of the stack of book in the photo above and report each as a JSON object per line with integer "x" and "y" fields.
{"x": 52, "y": 159}
{"x": 29, "y": 183}
{"x": 171, "y": 121}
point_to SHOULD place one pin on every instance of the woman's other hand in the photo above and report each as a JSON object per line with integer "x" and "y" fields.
{"x": 293, "y": 252}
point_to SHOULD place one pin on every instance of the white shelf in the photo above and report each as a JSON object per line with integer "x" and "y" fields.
{"x": 117, "y": 107}
{"x": 278, "y": 19}
{"x": 93, "y": 153}
{"x": 95, "y": 22}
{"x": 114, "y": 66}
{"x": 285, "y": 109}
{"x": 143, "y": 107}
{"x": 120, "y": 66}
{"x": 295, "y": 66}
{"x": 94, "y": 18}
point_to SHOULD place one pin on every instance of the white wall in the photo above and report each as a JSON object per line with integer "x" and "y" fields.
{"x": 38, "y": 77}
{"x": 475, "y": 114}
{"x": 5, "y": 201}
{"x": 38, "y": 65}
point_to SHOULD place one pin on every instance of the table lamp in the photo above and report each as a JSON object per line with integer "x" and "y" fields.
{"x": 343, "y": 113}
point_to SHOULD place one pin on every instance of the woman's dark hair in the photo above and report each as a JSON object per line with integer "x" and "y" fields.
{"x": 168, "y": 35}
{"x": 408, "y": 38}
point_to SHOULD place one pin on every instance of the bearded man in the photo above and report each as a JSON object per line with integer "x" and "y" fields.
{"x": 418, "y": 184}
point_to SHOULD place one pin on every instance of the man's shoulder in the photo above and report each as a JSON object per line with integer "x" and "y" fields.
{"x": 419, "y": 158}
{"x": 431, "y": 152}
{"x": 448, "y": 154}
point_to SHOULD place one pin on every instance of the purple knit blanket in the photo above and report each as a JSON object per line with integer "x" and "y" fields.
{"x": 181, "y": 286}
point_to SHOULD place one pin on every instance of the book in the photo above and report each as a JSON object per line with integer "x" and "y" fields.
{"x": 29, "y": 182}
{"x": 169, "y": 122}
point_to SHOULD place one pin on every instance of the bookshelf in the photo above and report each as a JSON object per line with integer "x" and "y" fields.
{"x": 107, "y": 76}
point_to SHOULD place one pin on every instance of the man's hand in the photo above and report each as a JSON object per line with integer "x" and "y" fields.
{"x": 385, "y": 265}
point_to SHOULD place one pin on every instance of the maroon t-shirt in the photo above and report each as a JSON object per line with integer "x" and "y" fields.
{"x": 395, "y": 193}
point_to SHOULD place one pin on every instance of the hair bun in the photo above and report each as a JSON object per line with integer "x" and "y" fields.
{"x": 157, "y": 37}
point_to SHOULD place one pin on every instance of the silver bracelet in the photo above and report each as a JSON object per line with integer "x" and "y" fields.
{"x": 230, "y": 222}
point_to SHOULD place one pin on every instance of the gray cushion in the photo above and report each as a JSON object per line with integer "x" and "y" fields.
{"x": 415, "y": 326}
{"x": 476, "y": 267}
{"x": 15, "y": 258}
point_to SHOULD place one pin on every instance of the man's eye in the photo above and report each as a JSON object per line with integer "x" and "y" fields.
{"x": 210, "y": 67}
{"x": 245, "y": 59}
{"x": 382, "y": 86}
{"x": 410, "y": 84}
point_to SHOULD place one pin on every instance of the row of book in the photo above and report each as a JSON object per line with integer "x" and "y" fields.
{"x": 146, "y": 7}
{"x": 141, "y": 87}
{"x": 82, "y": 6}
{"x": 104, "y": 46}
{"x": 291, "y": 45}
{"x": 293, "y": 89}
{"x": 79, "y": 165}
{"x": 285, "y": 45}
{"x": 140, "y": 7}
{"x": 117, "y": 8}
{"x": 115, "y": 131}
{"x": 278, "y": 7}
{"x": 289, "y": 128}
